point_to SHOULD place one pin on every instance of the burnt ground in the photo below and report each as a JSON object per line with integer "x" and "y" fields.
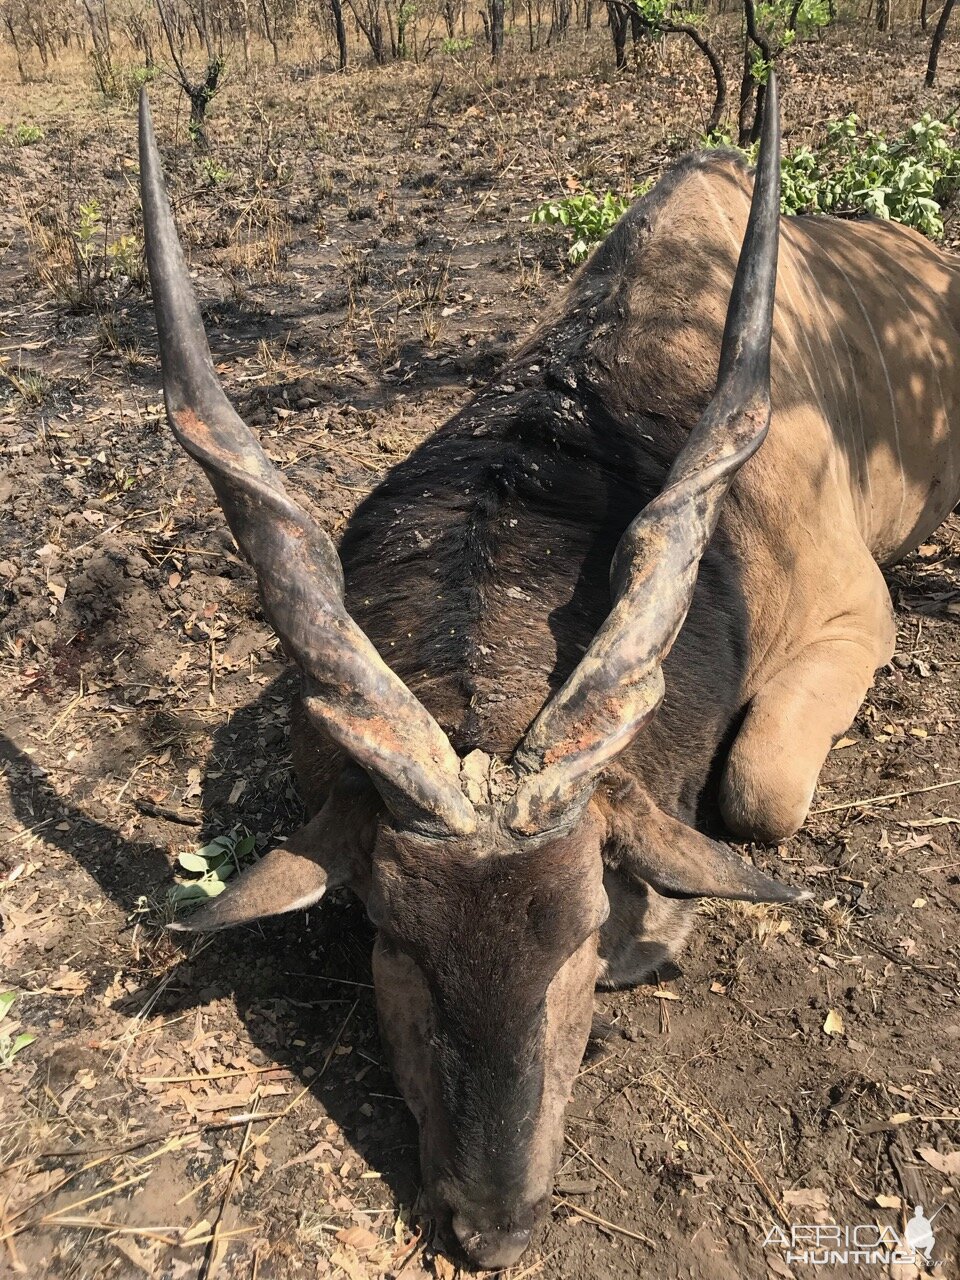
{"x": 362, "y": 254}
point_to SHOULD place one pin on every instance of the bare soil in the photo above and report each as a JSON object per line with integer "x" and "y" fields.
{"x": 361, "y": 249}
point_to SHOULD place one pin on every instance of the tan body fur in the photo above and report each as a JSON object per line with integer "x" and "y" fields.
{"x": 860, "y": 465}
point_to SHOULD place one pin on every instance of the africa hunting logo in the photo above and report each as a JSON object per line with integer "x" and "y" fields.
{"x": 823, "y": 1244}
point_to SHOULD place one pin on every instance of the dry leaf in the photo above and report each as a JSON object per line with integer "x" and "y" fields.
{"x": 443, "y": 1268}
{"x": 944, "y": 1162}
{"x": 833, "y": 1023}
{"x": 358, "y": 1238}
{"x": 807, "y": 1198}
{"x": 68, "y": 982}
{"x": 888, "y": 1202}
{"x": 349, "y": 1264}
{"x": 322, "y": 1148}
{"x": 844, "y": 742}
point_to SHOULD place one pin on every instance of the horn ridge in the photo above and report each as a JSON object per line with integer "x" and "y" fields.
{"x": 618, "y": 684}
{"x": 362, "y": 705}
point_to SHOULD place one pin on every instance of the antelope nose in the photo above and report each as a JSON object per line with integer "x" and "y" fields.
{"x": 490, "y": 1248}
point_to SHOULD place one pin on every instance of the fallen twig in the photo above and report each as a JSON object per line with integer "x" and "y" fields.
{"x": 171, "y": 815}
{"x": 603, "y": 1222}
{"x": 891, "y": 795}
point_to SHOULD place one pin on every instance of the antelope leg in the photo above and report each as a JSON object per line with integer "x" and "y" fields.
{"x": 794, "y": 720}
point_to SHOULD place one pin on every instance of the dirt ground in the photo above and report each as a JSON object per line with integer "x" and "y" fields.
{"x": 361, "y": 249}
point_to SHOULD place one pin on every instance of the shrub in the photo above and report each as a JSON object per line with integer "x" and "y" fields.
{"x": 907, "y": 179}
{"x": 123, "y": 83}
{"x": 589, "y": 217}
{"x": 25, "y": 134}
{"x": 75, "y": 257}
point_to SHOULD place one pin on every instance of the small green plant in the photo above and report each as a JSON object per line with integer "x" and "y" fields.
{"x": 10, "y": 1045}
{"x": 783, "y": 22}
{"x": 456, "y": 44}
{"x": 30, "y": 384}
{"x": 655, "y": 12}
{"x": 213, "y": 865}
{"x": 125, "y": 258}
{"x": 214, "y": 172}
{"x": 74, "y": 256}
{"x": 87, "y": 232}
{"x": 26, "y": 134}
{"x": 589, "y": 217}
{"x": 812, "y": 16}
{"x": 137, "y": 77}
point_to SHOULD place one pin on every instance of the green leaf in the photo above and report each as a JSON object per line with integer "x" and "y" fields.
{"x": 193, "y": 862}
{"x": 216, "y": 847}
{"x": 6, "y": 1000}
{"x": 245, "y": 846}
{"x": 196, "y": 890}
{"x": 21, "y": 1042}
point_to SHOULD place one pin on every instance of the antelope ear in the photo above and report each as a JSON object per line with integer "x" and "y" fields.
{"x": 331, "y": 850}
{"x": 679, "y": 862}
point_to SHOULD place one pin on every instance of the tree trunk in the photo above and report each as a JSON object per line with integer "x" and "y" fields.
{"x": 636, "y": 31}
{"x": 883, "y": 15}
{"x": 341, "y": 32}
{"x": 747, "y": 87}
{"x": 937, "y": 42}
{"x": 496, "y": 29}
{"x": 270, "y": 31}
{"x": 618, "y": 30}
{"x": 200, "y": 96}
{"x": 750, "y": 132}
{"x": 758, "y": 114}
{"x": 8, "y": 23}
{"x": 373, "y": 30}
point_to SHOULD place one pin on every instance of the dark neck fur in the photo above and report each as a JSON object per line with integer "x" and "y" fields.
{"x": 480, "y": 569}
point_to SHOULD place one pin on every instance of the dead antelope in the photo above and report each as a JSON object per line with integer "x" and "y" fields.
{"x": 613, "y": 620}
